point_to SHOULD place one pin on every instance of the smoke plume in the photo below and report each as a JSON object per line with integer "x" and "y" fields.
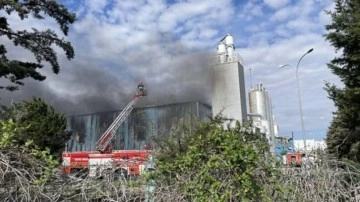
{"x": 172, "y": 73}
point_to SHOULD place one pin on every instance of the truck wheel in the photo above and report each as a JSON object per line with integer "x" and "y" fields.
{"x": 121, "y": 174}
{"x": 74, "y": 172}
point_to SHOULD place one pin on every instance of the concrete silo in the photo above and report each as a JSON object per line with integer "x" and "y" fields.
{"x": 228, "y": 85}
{"x": 260, "y": 104}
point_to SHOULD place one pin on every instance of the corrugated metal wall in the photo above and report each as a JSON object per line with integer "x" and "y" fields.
{"x": 138, "y": 128}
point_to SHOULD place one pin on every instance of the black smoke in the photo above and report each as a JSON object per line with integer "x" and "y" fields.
{"x": 87, "y": 85}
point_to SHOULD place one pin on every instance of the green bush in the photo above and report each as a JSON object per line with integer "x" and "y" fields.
{"x": 218, "y": 163}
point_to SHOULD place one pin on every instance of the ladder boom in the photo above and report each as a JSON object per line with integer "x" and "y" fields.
{"x": 109, "y": 134}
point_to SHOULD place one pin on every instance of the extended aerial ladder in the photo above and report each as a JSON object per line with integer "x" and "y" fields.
{"x": 99, "y": 160}
{"x": 103, "y": 144}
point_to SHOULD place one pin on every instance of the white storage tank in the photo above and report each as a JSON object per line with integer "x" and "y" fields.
{"x": 260, "y": 103}
{"x": 221, "y": 49}
{"x": 230, "y": 52}
{"x": 221, "y": 52}
{"x": 229, "y": 40}
{"x": 257, "y": 101}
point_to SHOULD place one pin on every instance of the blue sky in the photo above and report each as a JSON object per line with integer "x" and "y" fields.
{"x": 167, "y": 44}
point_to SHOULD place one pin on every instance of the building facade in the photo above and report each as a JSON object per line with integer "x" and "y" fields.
{"x": 228, "y": 85}
{"x": 138, "y": 129}
{"x": 311, "y": 145}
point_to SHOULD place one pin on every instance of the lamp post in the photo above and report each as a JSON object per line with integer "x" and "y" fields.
{"x": 299, "y": 97}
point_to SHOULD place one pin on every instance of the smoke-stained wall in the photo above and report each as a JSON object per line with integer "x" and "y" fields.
{"x": 138, "y": 129}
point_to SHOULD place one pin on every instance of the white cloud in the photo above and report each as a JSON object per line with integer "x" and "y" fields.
{"x": 250, "y": 11}
{"x": 283, "y": 14}
{"x": 193, "y": 12}
{"x": 276, "y": 3}
{"x": 301, "y": 25}
{"x": 324, "y": 18}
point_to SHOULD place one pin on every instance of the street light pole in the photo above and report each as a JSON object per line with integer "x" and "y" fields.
{"x": 299, "y": 97}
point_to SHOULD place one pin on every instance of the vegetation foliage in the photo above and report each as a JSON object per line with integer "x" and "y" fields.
{"x": 213, "y": 164}
{"x": 39, "y": 123}
{"x": 40, "y": 43}
{"x": 343, "y": 138}
{"x": 9, "y": 144}
{"x": 218, "y": 163}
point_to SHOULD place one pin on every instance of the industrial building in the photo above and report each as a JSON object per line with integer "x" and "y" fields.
{"x": 311, "y": 145}
{"x": 228, "y": 99}
{"x": 138, "y": 129}
{"x": 261, "y": 112}
{"x": 228, "y": 85}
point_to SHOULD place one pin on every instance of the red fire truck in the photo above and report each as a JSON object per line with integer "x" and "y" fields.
{"x": 294, "y": 159}
{"x": 105, "y": 160}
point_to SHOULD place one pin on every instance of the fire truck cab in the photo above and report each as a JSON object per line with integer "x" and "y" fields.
{"x": 294, "y": 159}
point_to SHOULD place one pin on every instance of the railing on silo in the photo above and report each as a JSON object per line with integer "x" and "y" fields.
{"x": 221, "y": 59}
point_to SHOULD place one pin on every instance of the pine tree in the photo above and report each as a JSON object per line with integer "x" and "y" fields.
{"x": 41, "y": 124}
{"x": 343, "y": 138}
{"x": 40, "y": 43}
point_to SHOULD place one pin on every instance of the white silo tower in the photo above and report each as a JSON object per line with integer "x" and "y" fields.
{"x": 260, "y": 104}
{"x": 228, "y": 85}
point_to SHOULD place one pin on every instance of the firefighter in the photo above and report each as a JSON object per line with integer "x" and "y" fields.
{"x": 141, "y": 88}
